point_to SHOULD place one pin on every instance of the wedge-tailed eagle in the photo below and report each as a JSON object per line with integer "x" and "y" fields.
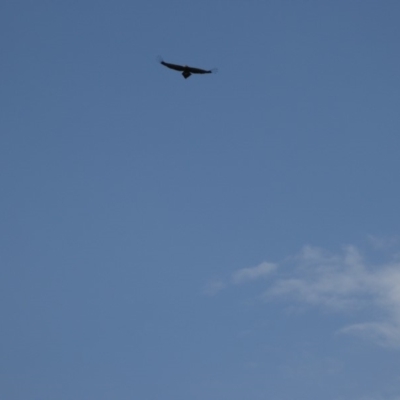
{"x": 186, "y": 70}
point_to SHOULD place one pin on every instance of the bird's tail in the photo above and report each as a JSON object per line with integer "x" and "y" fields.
{"x": 160, "y": 59}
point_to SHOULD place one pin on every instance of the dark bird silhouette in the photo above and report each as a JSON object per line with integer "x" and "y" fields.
{"x": 186, "y": 70}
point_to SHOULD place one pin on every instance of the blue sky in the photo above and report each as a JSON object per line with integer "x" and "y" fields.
{"x": 233, "y": 235}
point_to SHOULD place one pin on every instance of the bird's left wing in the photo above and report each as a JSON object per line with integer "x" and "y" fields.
{"x": 173, "y": 66}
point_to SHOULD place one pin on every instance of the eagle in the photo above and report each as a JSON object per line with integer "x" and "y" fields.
{"x": 185, "y": 69}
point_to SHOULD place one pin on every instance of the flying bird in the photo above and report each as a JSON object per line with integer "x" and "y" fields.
{"x": 186, "y": 70}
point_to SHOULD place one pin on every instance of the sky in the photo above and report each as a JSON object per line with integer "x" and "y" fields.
{"x": 228, "y": 236}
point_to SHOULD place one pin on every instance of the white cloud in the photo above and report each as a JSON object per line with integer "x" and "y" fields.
{"x": 385, "y": 333}
{"x": 342, "y": 282}
{"x": 213, "y": 287}
{"x": 321, "y": 279}
{"x": 253, "y": 273}
{"x": 346, "y": 282}
{"x": 239, "y": 277}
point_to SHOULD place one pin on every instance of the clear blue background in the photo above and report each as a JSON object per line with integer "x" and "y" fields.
{"x": 126, "y": 189}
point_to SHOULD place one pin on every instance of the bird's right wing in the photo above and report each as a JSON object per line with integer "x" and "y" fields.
{"x": 173, "y": 66}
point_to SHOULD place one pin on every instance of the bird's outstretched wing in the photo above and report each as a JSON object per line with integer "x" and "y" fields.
{"x": 176, "y": 67}
{"x": 198, "y": 70}
{"x": 186, "y": 70}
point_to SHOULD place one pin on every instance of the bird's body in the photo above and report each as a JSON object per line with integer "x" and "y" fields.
{"x": 186, "y": 70}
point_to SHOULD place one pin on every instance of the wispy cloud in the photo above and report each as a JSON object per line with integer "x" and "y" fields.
{"x": 322, "y": 279}
{"x": 213, "y": 287}
{"x": 250, "y": 274}
{"x": 240, "y": 277}
{"x": 343, "y": 282}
